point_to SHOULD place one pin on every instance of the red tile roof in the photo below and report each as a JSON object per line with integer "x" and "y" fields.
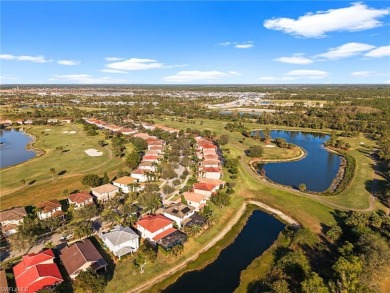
{"x": 138, "y": 171}
{"x": 80, "y": 197}
{"x": 48, "y": 206}
{"x": 194, "y": 197}
{"x": 37, "y": 271}
{"x": 164, "y": 234}
{"x": 150, "y": 157}
{"x": 208, "y": 146}
{"x": 156, "y": 147}
{"x": 212, "y": 169}
{"x": 204, "y": 186}
{"x": 154, "y": 223}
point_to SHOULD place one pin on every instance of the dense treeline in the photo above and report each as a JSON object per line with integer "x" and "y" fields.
{"x": 352, "y": 257}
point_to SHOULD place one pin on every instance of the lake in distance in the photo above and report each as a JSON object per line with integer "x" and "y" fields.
{"x": 317, "y": 170}
{"x": 13, "y": 148}
{"x": 223, "y": 275}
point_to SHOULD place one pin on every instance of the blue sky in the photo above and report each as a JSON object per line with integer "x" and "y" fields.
{"x": 202, "y": 42}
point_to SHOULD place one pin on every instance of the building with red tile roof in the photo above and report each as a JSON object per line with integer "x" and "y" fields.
{"x": 81, "y": 199}
{"x": 151, "y": 226}
{"x": 49, "y": 209}
{"x": 37, "y": 271}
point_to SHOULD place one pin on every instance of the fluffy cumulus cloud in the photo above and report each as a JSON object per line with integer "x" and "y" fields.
{"x": 135, "y": 64}
{"x": 237, "y": 45}
{"x": 85, "y": 79}
{"x": 35, "y": 59}
{"x": 345, "y": 51}
{"x": 383, "y": 51}
{"x": 357, "y": 17}
{"x": 295, "y": 59}
{"x": 190, "y": 76}
{"x": 68, "y": 62}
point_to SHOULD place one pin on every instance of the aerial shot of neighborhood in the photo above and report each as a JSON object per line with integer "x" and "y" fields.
{"x": 206, "y": 146}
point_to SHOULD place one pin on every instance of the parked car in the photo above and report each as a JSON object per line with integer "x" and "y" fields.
{"x": 66, "y": 237}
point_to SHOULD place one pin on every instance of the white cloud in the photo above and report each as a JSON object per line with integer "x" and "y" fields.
{"x": 295, "y": 59}
{"x": 35, "y": 59}
{"x": 244, "y": 45}
{"x": 68, "y": 62}
{"x": 189, "y": 76}
{"x": 309, "y": 74}
{"x": 346, "y": 50}
{"x": 357, "y": 17}
{"x": 364, "y": 73}
{"x": 379, "y": 52}
{"x": 225, "y": 43}
{"x": 85, "y": 79}
{"x": 113, "y": 71}
{"x": 112, "y": 59}
{"x": 135, "y": 64}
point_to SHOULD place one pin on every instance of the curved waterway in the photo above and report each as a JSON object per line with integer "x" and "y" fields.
{"x": 223, "y": 275}
{"x": 316, "y": 170}
{"x": 13, "y": 148}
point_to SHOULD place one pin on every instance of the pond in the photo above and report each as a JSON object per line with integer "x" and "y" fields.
{"x": 223, "y": 275}
{"x": 13, "y": 148}
{"x": 317, "y": 170}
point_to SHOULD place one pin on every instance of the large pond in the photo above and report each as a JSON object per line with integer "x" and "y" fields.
{"x": 13, "y": 148}
{"x": 317, "y": 170}
{"x": 223, "y": 275}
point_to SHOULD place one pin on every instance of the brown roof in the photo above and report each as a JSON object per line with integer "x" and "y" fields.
{"x": 104, "y": 188}
{"x": 179, "y": 210}
{"x": 80, "y": 197}
{"x": 195, "y": 197}
{"x": 156, "y": 147}
{"x": 13, "y": 214}
{"x": 125, "y": 180}
{"x": 210, "y": 162}
{"x": 215, "y": 182}
{"x": 3, "y": 280}
{"x": 75, "y": 256}
{"x": 48, "y": 206}
{"x": 138, "y": 171}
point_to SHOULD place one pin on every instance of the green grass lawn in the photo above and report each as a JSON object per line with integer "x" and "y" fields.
{"x": 124, "y": 269}
{"x": 70, "y": 165}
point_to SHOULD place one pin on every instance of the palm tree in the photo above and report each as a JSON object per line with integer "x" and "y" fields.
{"x": 49, "y": 244}
{"x": 22, "y": 181}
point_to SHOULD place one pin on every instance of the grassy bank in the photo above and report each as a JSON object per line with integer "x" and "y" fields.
{"x": 355, "y": 196}
{"x": 70, "y": 165}
{"x": 261, "y": 265}
{"x": 210, "y": 255}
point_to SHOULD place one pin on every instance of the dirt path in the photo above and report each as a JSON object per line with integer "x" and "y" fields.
{"x": 221, "y": 234}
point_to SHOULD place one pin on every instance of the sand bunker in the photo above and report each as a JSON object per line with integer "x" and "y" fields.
{"x": 269, "y": 146}
{"x": 65, "y": 131}
{"x": 72, "y": 132}
{"x": 93, "y": 153}
{"x": 47, "y": 129}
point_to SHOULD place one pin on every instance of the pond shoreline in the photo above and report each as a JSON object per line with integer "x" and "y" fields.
{"x": 334, "y": 184}
{"x": 234, "y": 221}
{"x": 29, "y": 146}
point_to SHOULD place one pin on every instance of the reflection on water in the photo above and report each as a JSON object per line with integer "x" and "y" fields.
{"x": 13, "y": 148}
{"x": 317, "y": 170}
